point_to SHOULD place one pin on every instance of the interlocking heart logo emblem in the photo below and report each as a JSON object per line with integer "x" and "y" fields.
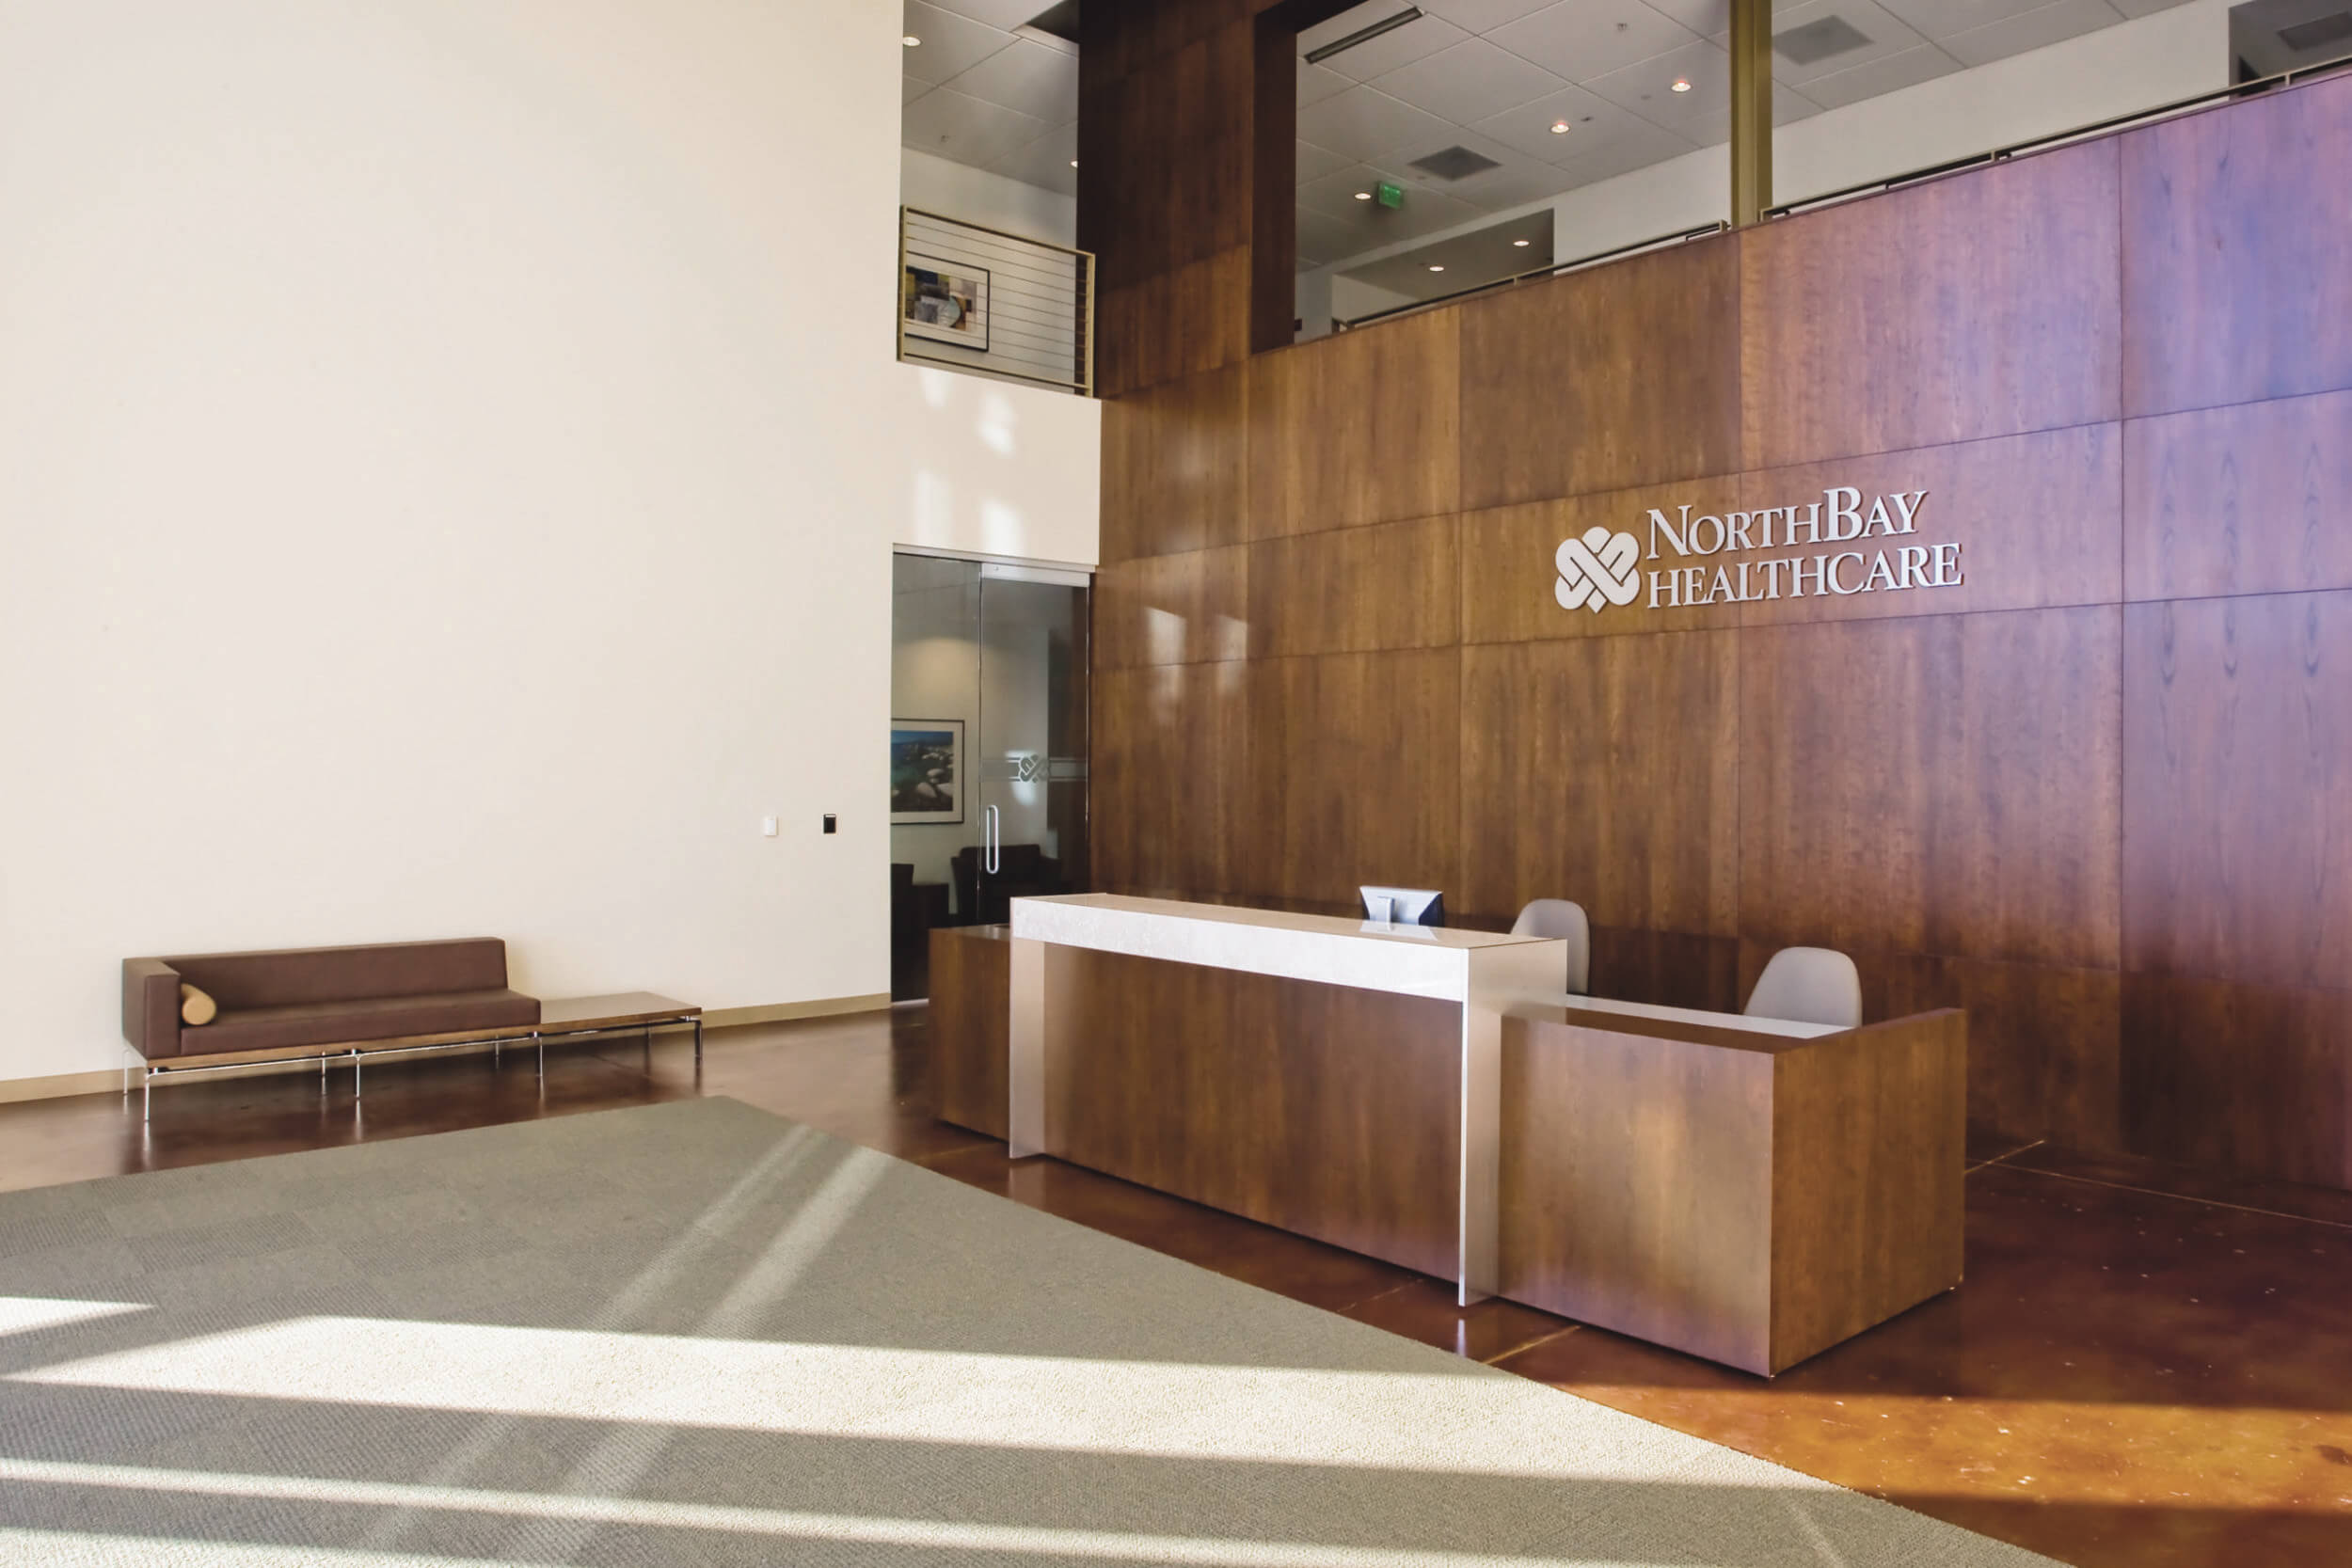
{"x": 1599, "y": 568}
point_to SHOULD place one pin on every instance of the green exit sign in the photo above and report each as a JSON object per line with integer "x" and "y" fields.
{"x": 1388, "y": 195}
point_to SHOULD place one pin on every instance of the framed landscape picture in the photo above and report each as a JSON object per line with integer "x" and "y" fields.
{"x": 926, "y": 771}
{"x": 945, "y": 303}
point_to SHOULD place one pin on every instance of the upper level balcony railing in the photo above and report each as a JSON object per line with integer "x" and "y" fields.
{"x": 1868, "y": 187}
{"x": 994, "y": 304}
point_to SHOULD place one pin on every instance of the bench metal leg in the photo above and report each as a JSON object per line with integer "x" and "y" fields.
{"x": 540, "y": 1040}
{"x": 698, "y": 1042}
{"x": 146, "y": 1093}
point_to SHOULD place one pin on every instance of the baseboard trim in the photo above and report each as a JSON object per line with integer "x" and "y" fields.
{"x": 784, "y": 1012}
{"x": 60, "y": 1086}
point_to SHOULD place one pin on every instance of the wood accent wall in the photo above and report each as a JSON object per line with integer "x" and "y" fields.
{"x": 1187, "y": 160}
{"x": 2100, "y": 795}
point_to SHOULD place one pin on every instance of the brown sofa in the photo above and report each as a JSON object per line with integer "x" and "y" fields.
{"x": 324, "y": 996}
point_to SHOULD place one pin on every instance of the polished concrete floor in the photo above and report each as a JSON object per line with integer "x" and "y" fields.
{"x": 2145, "y": 1368}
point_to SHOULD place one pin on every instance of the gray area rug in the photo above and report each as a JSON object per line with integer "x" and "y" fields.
{"x": 694, "y": 1333}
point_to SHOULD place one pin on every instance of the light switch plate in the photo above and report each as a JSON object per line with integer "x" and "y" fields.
{"x": 767, "y": 827}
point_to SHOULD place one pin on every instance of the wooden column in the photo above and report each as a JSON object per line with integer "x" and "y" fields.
{"x": 1751, "y": 110}
{"x": 1188, "y": 152}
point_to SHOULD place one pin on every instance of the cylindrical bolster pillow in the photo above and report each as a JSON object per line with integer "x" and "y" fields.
{"x": 195, "y": 1007}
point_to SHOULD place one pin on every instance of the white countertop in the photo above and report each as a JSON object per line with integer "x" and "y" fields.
{"x": 1788, "y": 1028}
{"x": 1417, "y": 961}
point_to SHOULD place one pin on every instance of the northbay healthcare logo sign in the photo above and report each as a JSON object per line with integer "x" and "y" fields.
{"x": 1603, "y": 567}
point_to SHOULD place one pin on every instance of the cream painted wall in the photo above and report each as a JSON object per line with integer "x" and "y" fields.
{"x": 991, "y": 467}
{"x": 450, "y": 457}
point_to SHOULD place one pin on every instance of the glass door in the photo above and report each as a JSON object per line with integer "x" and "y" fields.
{"x": 1034, "y": 626}
{"x": 988, "y": 747}
{"x": 935, "y": 820}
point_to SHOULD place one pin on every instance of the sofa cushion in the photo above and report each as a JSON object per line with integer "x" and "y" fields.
{"x": 356, "y": 1022}
{"x": 292, "y": 977}
{"x": 196, "y": 1008}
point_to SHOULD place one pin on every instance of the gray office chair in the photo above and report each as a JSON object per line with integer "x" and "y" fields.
{"x": 1809, "y": 985}
{"x": 1558, "y": 917}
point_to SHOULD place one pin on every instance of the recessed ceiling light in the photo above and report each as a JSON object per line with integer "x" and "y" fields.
{"x": 1073, "y": 163}
{"x": 1363, "y": 196}
{"x": 1682, "y": 84}
{"x": 1522, "y": 242}
{"x": 912, "y": 42}
{"x": 1559, "y": 127}
{"x": 1437, "y": 266}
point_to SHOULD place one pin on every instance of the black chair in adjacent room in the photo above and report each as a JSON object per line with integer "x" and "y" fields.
{"x": 1025, "y": 871}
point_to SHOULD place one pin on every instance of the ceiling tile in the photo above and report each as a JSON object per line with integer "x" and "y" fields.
{"x": 1650, "y": 146}
{"x": 1049, "y": 160}
{"x": 1593, "y": 122}
{"x": 1578, "y": 40}
{"x": 1886, "y": 37}
{"x": 1325, "y": 239}
{"x": 1421, "y": 37}
{"x": 1936, "y": 19}
{"x": 1334, "y": 194}
{"x": 2033, "y": 29}
{"x": 1316, "y": 83}
{"x": 1399, "y": 162}
{"x": 1468, "y": 81}
{"x": 1028, "y": 77}
{"x": 966, "y": 130}
{"x": 1482, "y": 16}
{"x": 1426, "y": 211}
{"x": 910, "y": 90}
{"x": 1004, "y": 15}
{"x": 1364, "y": 123}
{"x": 1891, "y": 74}
{"x": 1515, "y": 185}
{"x": 2145, "y": 8}
{"x": 1705, "y": 18}
{"x": 1790, "y": 105}
{"x": 1370, "y": 225}
{"x": 951, "y": 44}
{"x": 1316, "y": 161}
{"x": 1702, "y": 114}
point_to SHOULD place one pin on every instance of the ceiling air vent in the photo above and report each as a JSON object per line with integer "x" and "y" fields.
{"x": 1456, "y": 163}
{"x": 1819, "y": 40}
{"x": 2310, "y": 35}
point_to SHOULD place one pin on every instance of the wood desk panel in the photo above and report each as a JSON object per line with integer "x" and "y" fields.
{"x": 1750, "y": 1199}
{"x": 971, "y": 973}
{"x": 1322, "y": 1109}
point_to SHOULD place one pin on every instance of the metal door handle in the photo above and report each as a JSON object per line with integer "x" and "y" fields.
{"x": 996, "y": 845}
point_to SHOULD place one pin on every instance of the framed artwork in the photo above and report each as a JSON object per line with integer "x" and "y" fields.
{"x": 945, "y": 303}
{"x": 926, "y": 771}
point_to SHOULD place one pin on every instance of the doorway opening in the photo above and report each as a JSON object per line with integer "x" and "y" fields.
{"x": 988, "y": 747}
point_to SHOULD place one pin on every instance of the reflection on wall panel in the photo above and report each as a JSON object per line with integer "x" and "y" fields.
{"x": 2237, "y": 753}
{"x": 2239, "y": 221}
{"x": 1650, "y": 837}
{"x": 1985, "y": 305}
{"x": 2251, "y": 499}
{"x": 1359, "y": 428}
{"x": 1603, "y": 379}
{"x": 2038, "y": 704}
{"x": 1175, "y": 466}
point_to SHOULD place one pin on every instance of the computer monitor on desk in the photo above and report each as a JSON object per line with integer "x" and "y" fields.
{"x": 1403, "y": 906}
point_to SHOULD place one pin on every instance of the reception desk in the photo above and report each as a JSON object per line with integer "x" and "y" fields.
{"x": 1745, "y": 1190}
